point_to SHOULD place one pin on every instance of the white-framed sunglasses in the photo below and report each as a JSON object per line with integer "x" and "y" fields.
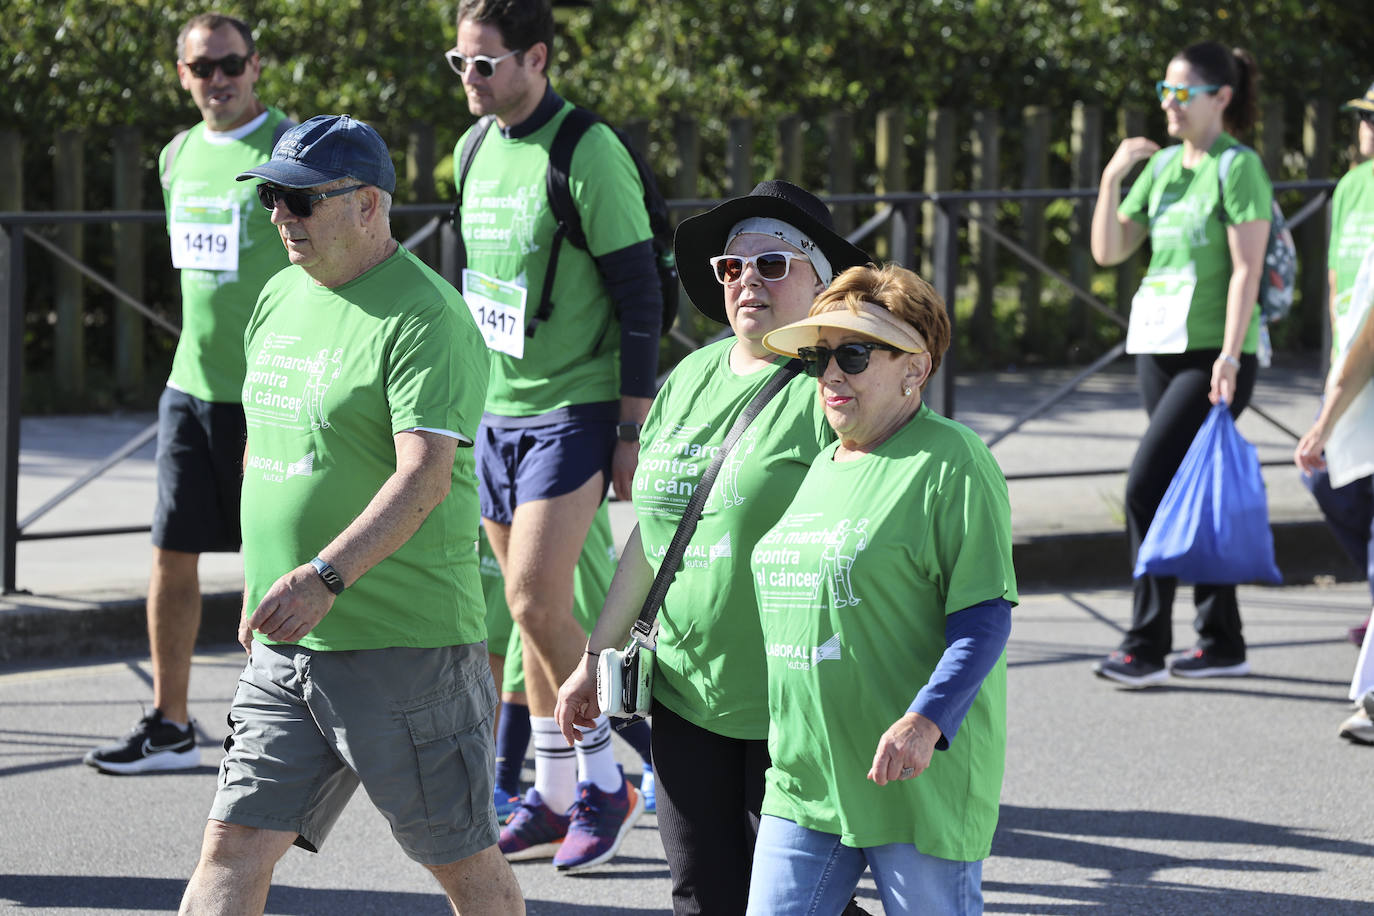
{"x": 484, "y": 65}
{"x": 771, "y": 265}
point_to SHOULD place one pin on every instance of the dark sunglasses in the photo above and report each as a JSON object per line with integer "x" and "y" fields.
{"x": 1366, "y": 116}
{"x": 852, "y": 358}
{"x": 300, "y": 203}
{"x": 231, "y": 64}
{"x": 771, "y": 265}
{"x": 485, "y": 66}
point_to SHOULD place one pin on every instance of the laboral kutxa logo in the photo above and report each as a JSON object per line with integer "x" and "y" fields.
{"x": 804, "y": 658}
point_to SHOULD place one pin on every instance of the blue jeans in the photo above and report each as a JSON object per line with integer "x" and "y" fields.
{"x": 809, "y": 873}
{"x": 1350, "y": 513}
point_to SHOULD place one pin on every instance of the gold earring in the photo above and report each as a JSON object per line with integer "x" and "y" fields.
{"x": 906, "y": 391}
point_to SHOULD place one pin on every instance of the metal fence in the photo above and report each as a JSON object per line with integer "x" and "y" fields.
{"x": 896, "y": 217}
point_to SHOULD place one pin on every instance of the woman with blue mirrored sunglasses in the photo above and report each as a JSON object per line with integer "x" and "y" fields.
{"x": 1205, "y": 203}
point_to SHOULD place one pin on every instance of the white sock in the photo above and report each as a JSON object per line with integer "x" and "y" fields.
{"x": 595, "y": 759}
{"x": 555, "y": 765}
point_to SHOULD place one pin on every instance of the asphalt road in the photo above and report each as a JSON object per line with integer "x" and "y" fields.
{"x": 1221, "y": 796}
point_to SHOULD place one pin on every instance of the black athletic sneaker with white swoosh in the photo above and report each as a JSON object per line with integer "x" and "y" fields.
{"x": 153, "y": 744}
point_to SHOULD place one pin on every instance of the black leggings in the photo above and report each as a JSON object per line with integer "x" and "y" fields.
{"x": 710, "y": 791}
{"x": 1174, "y": 389}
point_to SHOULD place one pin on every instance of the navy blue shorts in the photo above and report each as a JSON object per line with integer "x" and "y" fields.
{"x": 199, "y": 474}
{"x": 522, "y": 464}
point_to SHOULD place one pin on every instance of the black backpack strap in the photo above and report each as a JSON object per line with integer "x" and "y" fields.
{"x": 557, "y": 186}
{"x": 465, "y": 158}
{"x": 283, "y": 126}
{"x": 173, "y": 147}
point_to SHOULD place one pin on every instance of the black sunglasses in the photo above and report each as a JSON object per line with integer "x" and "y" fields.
{"x": 300, "y": 203}
{"x": 852, "y": 358}
{"x": 231, "y": 64}
{"x": 1366, "y": 116}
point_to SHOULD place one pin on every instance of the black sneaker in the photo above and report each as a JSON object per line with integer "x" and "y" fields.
{"x": 153, "y": 744}
{"x": 1130, "y": 670}
{"x": 1198, "y": 663}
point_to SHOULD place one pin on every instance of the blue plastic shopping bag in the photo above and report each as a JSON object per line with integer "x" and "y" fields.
{"x": 1213, "y": 525}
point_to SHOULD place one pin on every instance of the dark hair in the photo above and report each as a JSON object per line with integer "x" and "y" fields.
{"x": 522, "y": 23}
{"x": 1235, "y": 68}
{"x": 211, "y": 22}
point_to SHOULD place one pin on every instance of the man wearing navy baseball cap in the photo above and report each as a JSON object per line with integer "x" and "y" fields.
{"x": 363, "y": 614}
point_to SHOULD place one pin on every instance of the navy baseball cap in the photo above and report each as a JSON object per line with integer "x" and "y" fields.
{"x": 327, "y": 148}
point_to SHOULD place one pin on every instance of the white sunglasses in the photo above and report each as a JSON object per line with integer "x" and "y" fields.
{"x": 486, "y": 66}
{"x": 771, "y": 265}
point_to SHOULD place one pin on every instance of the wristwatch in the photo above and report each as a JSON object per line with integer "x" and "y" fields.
{"x": 332, "y": 580}
{"x": 627, "y": 431}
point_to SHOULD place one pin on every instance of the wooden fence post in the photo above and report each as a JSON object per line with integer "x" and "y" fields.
{"x": 69, "y": 192}
{"x": 687, "y": 139}
{"x": 985, "y": 143}
{"x": 890, "y": 150}
{"x": 636, "y": 131}
{"x": 129, "y": 325}
{"x": 840, "y": 127}
{"x": 939, "y": 176}
{"x": 739, "y": 156}
{"x": 1035, "y": 146}
{"x": 1271, "y": 138}
{"x": 420, "y": 161}
{"x": 1085, "y": 145}
{"x": 1130, "y": 123}
{"x": 788, "y": 165}
{"x": 1311, "y": 236}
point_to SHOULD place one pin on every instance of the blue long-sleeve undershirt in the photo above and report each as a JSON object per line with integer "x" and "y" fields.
{"x": 974, "y": 640}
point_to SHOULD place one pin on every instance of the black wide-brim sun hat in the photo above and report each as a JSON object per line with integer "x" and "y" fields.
{"x": 702, "y": 237}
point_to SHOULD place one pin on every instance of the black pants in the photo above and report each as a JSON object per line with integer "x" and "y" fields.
{"x": 710, "y": 792}
{"x": 1174, "y": 388}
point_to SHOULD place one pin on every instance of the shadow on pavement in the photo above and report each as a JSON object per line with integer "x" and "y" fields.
{"x": 164, "y": 895}
{"x": 1129, "y": 875}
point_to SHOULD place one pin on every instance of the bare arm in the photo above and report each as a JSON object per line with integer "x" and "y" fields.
{"x": 1114, "y": 237}
{"x": 626, "y": 458}
{"x": 298, "y": 601}
{"x": 1355, "y": 374}
{"x": 633, "y": 578}
{"x": 1247, "y": 242}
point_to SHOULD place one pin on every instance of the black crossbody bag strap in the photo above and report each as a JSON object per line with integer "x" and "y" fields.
{"x": 645, "y": 629}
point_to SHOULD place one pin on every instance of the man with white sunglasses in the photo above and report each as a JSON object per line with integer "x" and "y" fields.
{"x": 570, "y": 387}
{"x": 226, "y": 249}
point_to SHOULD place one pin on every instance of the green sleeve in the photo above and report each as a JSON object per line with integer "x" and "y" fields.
{"x": 607, "y": 193}
{"x": 972, "y": 535}
{"x": 1137, "y": 203}
{"x": 1247, "y": 193}
{"x": 1338, "y": 205}
{"x": 433, "y": 379}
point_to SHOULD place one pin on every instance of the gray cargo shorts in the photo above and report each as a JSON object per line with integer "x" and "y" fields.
{"x": 413, "y": 726}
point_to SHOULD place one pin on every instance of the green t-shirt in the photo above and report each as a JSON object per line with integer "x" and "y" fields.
{"x": 1187, "y": 237}
{"x": 574, "y": 357}
{"x": 591, "y": 580}
{"x": 710, "y": 665}
{"x": 854, "y": 583}
{"x": 202, "y": 198}
{"x": 334, "y": 375}
{"x": 1352, "y": 229}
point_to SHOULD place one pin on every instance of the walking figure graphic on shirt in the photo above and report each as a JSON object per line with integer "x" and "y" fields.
{"x": 318, "y": 385}
{"x": 527, "y": 211}
{"x": 842, "y": 548}
{"x": 728, "y": 477}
